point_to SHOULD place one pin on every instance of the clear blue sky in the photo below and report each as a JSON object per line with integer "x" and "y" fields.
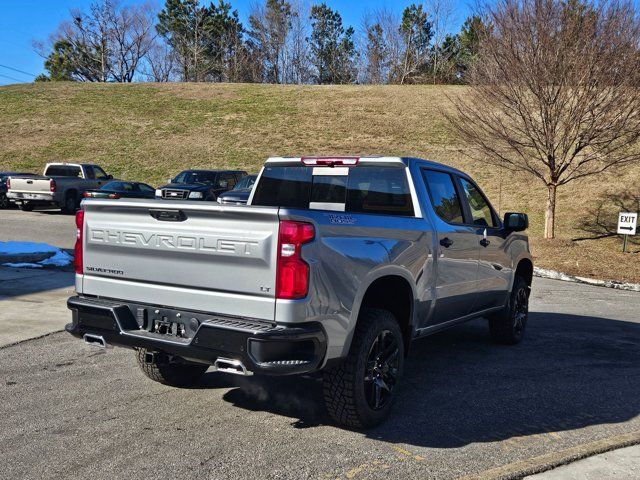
{"x": 24, "y": 21}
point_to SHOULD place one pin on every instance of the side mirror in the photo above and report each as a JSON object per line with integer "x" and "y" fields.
{"x": 516, "y": 222}
{"x": 109, "y": 177}
{"x": 223, "y": 184}
{"x": 170, "y": 180}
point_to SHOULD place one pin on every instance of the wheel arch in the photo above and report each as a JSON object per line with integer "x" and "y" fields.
{"x": 390, "y": 289}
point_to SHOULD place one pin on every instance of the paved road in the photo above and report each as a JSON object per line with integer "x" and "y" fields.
{"x": 467, "y": 408}
{"x": 47, "y": 226}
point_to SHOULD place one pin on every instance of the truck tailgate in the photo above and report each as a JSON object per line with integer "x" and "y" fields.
{"x": 198, "y": 256}
{"x": 30, "y": 185}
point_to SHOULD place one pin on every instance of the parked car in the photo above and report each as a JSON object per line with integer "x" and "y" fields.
{"x": 200, "y": 184}
{"x": 240, "y": 193}
{"x": 335, "y": 267}
{"x": 4, "y": 182}
{"x": 61, "y": 186}
{"x": 120, "y": 189}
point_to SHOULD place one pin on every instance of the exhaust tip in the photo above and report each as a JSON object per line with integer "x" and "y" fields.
{"x": 95, "y": 340}
{"x": 230, "y": 365}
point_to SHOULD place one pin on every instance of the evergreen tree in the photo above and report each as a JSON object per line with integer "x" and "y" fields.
{"x": 416, "y": 33}
{"x": 332, "y": 48}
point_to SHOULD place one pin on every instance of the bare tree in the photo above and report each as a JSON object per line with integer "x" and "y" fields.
{"x": 131, "y": 36}
{"x": 270, "y": 26}
{"x": 161, "y": 63}
{"x": 440, "y": 14}
{"x": 298, "y": 69}
{"x": 555, "y": 91}
{"x": 105, "y": 43}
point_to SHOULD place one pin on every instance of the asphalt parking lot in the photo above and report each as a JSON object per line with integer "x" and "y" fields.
{"x": 47, "y": 226}
{"x": 467, "y": 409}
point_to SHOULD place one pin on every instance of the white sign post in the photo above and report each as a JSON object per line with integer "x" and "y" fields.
{"x": 627, "y": 223}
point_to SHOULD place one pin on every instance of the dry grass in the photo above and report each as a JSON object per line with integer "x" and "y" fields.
{"x": 150, "y": 132}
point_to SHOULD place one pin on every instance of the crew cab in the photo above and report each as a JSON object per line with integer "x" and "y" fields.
{"x": 334, "y": 267}
{"x": 61, "y": 186}
{"x": 200, "y": 184}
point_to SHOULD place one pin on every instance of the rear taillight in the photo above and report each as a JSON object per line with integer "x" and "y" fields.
{"x": 52, "y": 185}
{"x": 9, "y": 183}
{"x": 292, "y": 275}
{"x": 78, "y": 261}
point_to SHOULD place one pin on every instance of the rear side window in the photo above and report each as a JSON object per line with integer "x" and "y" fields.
{"x": 363, "y": 189}
{"x": 444, "y": 196}
{"x": 379, "y": 190}
{"x": 63, "y": 171}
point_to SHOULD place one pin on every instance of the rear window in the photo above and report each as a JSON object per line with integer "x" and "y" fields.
{"x": 63, "y": 171}
{"x": 363, "y": 189}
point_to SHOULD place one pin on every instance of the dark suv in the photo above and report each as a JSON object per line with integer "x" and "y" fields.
{"x": 200, "y": 184}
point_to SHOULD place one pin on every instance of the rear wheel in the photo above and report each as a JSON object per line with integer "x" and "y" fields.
{"x": 359, "y": 392}
{"x": 159, "y": 368}
{"x": 70, "y": 204}
{"x": 507, "y": 326}
{"x": 25, "y": 207}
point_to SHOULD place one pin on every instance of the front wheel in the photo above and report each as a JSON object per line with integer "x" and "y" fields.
{"x": 158, "y": 368}
{"x": 4, "y": 201}
{"x": 508, "y": 325}
{"x": 359, "y": 392}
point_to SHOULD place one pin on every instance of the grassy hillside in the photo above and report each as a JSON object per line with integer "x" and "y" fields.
{"x": 150, "y": 132}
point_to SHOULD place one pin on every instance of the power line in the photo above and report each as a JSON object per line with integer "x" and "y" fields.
{"x": 12, "y": 78}
{"x": 16, "y": 70}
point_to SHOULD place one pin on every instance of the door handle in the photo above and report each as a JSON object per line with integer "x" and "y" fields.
{"x": 484, "y": 242}
{"x": 446, "y": 242}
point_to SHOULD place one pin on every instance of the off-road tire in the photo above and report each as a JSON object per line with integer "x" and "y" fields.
{"x": 172, "y": 374}
{"x": 70, "y": 204}
{"x": 25, "y": 206}
{"x": 344, "y": 385}
{"x": 505, "y": 327}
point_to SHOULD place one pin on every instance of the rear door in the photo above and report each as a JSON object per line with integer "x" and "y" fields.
{"x": 200, "y": 256}
{"x": 457, "y": 249}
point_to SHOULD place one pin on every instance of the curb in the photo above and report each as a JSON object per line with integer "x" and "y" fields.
{"x": 554, "y": 275}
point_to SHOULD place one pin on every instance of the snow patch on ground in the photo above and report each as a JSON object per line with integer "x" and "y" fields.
{"x": 545, "y": 273}
{"x": 22, "y": 265}
{"x": 16, "y": 248}
{"x": 60, "y": 258}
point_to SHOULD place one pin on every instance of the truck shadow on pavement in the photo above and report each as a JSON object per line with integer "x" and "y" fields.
{"x": 570, "y": 372}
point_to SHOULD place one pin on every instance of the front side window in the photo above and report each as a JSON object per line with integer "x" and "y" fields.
{"x": 99, "y": 173}
{"x": 480, "y": 210}
{"x": 246, "y": 182}
{"x": 444, "y": 196}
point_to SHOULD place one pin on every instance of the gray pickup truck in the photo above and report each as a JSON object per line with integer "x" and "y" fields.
{"x": 61, "y": 186}
{"x": 333, "y": 267}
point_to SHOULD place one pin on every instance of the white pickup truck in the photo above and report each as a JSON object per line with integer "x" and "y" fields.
{"x": 61, "y": 185}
